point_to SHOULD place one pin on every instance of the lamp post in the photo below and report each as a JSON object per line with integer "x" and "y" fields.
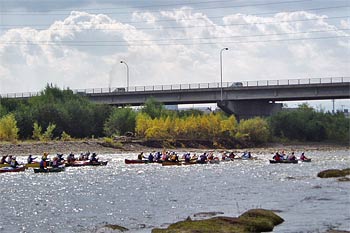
{"x": 221, "y": 69}
{"x": 127, "y": 75}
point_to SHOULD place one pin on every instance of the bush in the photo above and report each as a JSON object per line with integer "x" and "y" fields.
{"x": 121, "y": 120}
{"x": 65, "y": 137}
{"x": 8, "y": 128}
{"x": 256, "y": 129}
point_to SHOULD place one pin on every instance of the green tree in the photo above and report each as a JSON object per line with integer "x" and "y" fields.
{"x": 153, "y": 108}
{"x": 37, "y": 131}
{"x": 121, "y": 120}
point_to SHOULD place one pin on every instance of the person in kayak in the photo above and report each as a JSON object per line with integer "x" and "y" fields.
{"x": 140, "y": 156}
{"x": 277, "y": 157}
{"x": 303, "y": 157}
{"x": 14, "y": 162}
{"x": 30, "y": 159}
{"x": 187, "y": 158}
{"x": 150, "y": 158}
{"x": 60, "y": 158}
{"x": 174, "y": 157}
{"x": 3, "y": 159}
{"x": 9, "y": 159}
{"x": 55, "y": 162}
{"x": 93, "y": 158}
{"x": 42, "y": 164}
{"x": 246, "y": 155}
{"x": 292, "y": 157}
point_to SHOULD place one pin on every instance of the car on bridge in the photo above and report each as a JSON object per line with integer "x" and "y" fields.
{"x": 237, "y": 84}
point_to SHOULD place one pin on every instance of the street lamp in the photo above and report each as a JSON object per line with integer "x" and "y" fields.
{"x": 127, "y": 75}
{"x": 221, "y": 68}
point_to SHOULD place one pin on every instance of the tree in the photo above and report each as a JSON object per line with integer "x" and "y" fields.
{"x": 8, "y": 128}
{"x": 121, "y": 120}
{"x": 153, "y": 108}
{"x": 256, "y": 128}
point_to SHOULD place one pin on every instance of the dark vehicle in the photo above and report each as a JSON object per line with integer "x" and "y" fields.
{"x": 119, "y": 89}
{"x": 237, "y": 84}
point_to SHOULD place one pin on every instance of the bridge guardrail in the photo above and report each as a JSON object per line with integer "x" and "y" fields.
{"x": 258, "y": 83}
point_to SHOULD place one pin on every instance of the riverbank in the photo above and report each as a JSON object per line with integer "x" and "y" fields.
{"x": 23, "y": 148}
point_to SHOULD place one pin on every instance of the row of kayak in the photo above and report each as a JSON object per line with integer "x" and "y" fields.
{"x": 192, "y": 162}
{"x": 8, "y": 168}
{"x": 182, "y": 162}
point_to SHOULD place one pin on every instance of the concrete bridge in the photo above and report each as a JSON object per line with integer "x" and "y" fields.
{"x": 244, "y": 99}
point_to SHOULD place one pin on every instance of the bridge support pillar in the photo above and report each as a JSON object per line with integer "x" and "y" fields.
{"x": 244, "y": 109}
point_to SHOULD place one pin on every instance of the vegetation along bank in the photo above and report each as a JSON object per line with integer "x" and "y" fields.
{"x": 61, "y": 115}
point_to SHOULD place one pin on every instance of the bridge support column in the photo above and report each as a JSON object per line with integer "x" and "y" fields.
{"x": 244, "y": 109}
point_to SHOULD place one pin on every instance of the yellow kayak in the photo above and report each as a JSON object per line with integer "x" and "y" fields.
{"x": 35, "y": 164}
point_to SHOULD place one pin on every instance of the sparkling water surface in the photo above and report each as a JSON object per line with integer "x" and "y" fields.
{"x": 144, "y": 196}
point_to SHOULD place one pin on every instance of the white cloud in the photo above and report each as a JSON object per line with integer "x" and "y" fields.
{"x": 65, "y": 61}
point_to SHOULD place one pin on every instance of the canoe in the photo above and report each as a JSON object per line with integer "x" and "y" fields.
{"x": 86, "y": 163}
{"x": 305, "y": 160}
{"x": 35, "y": 164}
{"x": 11, "y": 169}
{"x": 135, "y": 161}
{"x": 214, "y": 161}
{"x": 47, "y": 170}
{"x": 171, "y": 163}
{"x": 284, "y": 161}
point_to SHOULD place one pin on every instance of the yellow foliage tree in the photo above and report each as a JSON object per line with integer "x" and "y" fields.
{"x": 256, "y": 128}
{"x": 143, "y": 122}
{"x": 8, "y": 128}
{"x": 228, "y": 127}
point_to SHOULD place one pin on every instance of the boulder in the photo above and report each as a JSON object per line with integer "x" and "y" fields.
{"x": 256, "y": 220}
{"x": 331, "y": 173}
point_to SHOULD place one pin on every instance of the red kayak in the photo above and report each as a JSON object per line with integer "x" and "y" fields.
{"x": 135, "y": 161}
{"x": 11, "y": 169}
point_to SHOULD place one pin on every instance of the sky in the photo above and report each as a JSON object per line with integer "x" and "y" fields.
{"x": 79, "y": 44}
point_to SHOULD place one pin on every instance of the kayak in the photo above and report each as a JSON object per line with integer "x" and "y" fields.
{"x": 4, "y": 165}
{"x": 11, "y": 169}
{"x": 86, "y": 163}
{"x": 50, "y": 169}
{"x": 214, "y": 161}
{"x": 284, "y": 161}
{"x": 171, "y": 163}
{"x": 35, "y": 164}
{"x": 135, "y": 161}
{"x": 305, "y": 160}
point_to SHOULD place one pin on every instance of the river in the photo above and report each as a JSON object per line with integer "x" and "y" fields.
{"x": 141, "y": 197}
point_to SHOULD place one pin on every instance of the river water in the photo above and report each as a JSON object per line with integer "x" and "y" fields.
{"x": 141, "y": 197}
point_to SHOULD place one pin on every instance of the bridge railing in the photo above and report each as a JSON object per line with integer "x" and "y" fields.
{"x": 241, "y": 84}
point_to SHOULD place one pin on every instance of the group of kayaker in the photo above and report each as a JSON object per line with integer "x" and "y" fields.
{"x": 172, "y": 156}
{"x": 58, "y": 160}
{"x": 9, "y": 159}
{"x": 282, "y": 156}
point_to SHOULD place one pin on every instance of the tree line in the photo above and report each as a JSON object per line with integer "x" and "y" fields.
{"x": 61, "y": 114}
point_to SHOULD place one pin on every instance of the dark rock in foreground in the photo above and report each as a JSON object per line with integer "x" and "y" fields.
{"x": 255, "y": 220}
{"x": 331, "y": 173}
{"x": 109, "y": 228}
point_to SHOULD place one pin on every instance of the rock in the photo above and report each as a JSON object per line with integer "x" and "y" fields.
{"x": 344, "y": 179}
{"x": 111, "y": 228}
{"x": 256, "y": 220}
{"x": 331, "y": 173}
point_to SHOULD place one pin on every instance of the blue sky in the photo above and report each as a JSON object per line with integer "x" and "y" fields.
{"x": 79, "y": 44}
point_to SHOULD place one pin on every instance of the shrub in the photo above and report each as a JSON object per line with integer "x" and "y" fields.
{"x": 8, "y": 128}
